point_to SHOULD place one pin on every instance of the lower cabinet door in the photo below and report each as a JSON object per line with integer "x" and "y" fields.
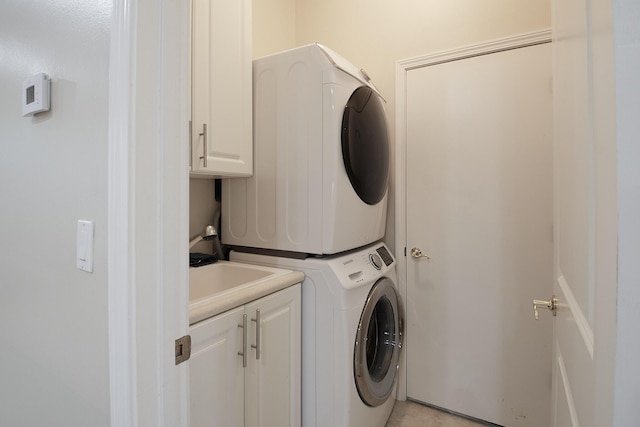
{"x": 273, "y": 373}
{"x": 216, "y": 377}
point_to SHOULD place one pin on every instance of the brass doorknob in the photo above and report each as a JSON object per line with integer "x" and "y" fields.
{"x": 417, "y": 253}
{"x": 552, "y": 305}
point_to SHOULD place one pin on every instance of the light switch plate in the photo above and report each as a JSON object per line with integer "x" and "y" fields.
{"x": 84, "y": 247}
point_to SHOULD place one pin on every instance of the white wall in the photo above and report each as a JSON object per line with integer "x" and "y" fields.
{"x": 274, "y": 27}
{"x": 53, "y": 317}
{"x": 375, "y": 34}
{"x": 202, "y": 208}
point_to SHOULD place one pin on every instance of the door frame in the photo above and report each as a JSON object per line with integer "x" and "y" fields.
{"x": 147, "y": 208}
{"x": 400, "y": 189}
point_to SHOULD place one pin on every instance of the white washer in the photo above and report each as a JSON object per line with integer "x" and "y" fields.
{"x": 321, "y": 158}
{"x": 352, "y": 322}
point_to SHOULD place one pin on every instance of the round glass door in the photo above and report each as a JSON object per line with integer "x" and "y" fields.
{"x": 365, "y": 145}
{"x": 378, "y": 344}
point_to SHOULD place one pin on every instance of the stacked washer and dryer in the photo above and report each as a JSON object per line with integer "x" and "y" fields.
{"x": 317, "y": 203}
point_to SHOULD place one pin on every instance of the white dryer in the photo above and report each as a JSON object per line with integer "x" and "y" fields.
{"x": 321, "y": 158}
{"x": 352, "y": 322}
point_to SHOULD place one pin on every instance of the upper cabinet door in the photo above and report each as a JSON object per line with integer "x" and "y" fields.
{"x": 221, "y": 88}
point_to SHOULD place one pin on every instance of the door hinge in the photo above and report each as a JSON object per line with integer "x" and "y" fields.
{"x": 183, "y": 349}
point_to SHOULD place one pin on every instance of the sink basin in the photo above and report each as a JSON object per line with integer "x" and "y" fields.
{"x": 221, "y": 276}
{"x": 218, "y": 287}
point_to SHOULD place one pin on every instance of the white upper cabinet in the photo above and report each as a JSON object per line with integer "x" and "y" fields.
{"x": 221, "y": 88}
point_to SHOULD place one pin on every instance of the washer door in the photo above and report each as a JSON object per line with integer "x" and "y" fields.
{"x": 365, "y": 145}
{"x": 378, "y": 344}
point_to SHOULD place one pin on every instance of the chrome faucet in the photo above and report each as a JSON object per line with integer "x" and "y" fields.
{"x": 208, "y": 234}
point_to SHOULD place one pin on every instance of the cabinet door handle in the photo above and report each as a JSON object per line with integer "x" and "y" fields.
{"x": 243, "y": 353}
{"x": 204, "y": 139}
{"x": 258, "y": 334}
{"x": 190, "y": 143}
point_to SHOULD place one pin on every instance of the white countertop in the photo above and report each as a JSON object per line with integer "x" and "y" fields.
{"x": 219, "y": 287}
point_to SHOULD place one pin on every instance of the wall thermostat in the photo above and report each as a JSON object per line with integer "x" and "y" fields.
{"x": 36, "y": 95}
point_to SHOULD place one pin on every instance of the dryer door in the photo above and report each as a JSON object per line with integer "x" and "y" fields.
{"x": 378, "y": 344}
{"x": 365, "y": 145}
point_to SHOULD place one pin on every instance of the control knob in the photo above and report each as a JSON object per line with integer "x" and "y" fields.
{"x": 376, "y": 261}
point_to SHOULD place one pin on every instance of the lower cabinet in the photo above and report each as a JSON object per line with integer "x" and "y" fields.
{"x": 245, "y": 366}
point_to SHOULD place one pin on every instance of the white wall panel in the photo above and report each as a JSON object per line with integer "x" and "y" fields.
{"x": 53, "y": 171}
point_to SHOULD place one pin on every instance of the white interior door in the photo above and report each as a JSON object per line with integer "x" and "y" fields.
{"x": 479, "y": 203}
{"x": 574, "y": 282}
{"x": 585, "y": 217}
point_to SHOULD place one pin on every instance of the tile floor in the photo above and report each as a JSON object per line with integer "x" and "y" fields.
{"x": 411, "y": 414}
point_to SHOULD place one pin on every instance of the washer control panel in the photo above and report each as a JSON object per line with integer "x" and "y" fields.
{"x": 384, "y": 254}
{"x": 375, "y": 260}
{"x": 364, "y": 265}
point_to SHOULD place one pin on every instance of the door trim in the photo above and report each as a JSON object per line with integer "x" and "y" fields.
{"x": 121, "y": 305}
{"x": 147, "y": 207}
{"x": 402, "y": 68}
